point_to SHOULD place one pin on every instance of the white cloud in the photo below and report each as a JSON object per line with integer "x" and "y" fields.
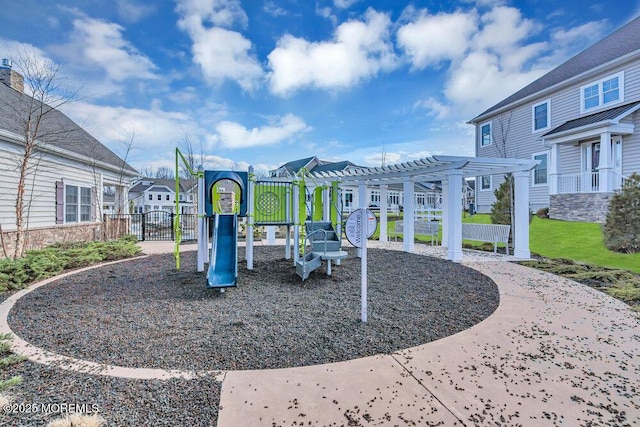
{"x": 344, "y": 4}
{"x": 375, "y": 159}
{"x": 234, "y": 135}
{"x": 480, "y": 80}
{"x": 151, "y": 129}
{"x": 490, "y": 56}
{"x": 273, "y": 9}
{"x": 220, "y": 52}
{"x": 359, "y": 50}
{"x": 220, "y": 13}
{"x": 431, "y": 39}
{"x": 503, "y": 29}
{"x": 130, "y": 11}
{"x": 101, "y": 44}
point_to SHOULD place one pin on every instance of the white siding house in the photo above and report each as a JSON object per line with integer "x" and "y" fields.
{"x": 66, "y": 176}
{"x": 581, "y": 121}
{"x": 154, "y": 194}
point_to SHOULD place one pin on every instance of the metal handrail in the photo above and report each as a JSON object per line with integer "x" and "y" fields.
{"x": 304, "y": 247}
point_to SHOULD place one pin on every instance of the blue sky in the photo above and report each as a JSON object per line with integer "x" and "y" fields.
{"x": 264, "y": 82}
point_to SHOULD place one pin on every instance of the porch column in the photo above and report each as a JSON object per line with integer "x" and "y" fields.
{"x": 408, "y": 245}
{"x": 445, "y": 212}
{"x": 521, "y": 226}
{"x": 554, "y": 160}
{"x": 454, "y": 215}
{"x": 383, "y": 212}
{"x": 605, "y": 167}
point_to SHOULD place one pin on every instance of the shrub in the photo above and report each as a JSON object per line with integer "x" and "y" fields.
{"x": 543, "y": 213}
{"x": 501, "y": 208}
{"x": 42, "y": 263}
{"x": 621, "y": 230}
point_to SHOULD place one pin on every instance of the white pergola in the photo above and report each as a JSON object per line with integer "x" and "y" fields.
{"x": 450, "y": 170}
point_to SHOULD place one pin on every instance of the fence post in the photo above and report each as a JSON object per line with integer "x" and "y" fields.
{"x": 143, "y": 225}
{"x": 171, "y": 217}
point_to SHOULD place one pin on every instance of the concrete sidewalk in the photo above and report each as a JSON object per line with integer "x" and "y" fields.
{"x": 555, "y": 352}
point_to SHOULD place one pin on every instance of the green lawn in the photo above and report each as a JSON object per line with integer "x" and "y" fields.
{"x": 578, "y": 241}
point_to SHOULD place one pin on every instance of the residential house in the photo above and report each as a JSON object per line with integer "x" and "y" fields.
{"x": 66, "y": 174}
{"x": 155, "y": 194}
{"x": 580, "y": 120}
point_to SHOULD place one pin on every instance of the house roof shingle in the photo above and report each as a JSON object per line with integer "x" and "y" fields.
{"x": 616, "y": 113}
{"x": 621, "y": 42}
{"x": 56, "y": 129}
{"x": 141, "y": 186}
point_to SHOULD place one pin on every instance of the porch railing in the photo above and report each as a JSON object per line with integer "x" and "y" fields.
{"x": 586, "y": 182}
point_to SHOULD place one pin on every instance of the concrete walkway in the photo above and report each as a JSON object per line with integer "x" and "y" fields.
{"x": 555, "y": 352}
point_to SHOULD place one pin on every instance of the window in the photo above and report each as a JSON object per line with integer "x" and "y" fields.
{"x": 393, "y": 198}
{"x": 77, "y": 206}
{"x": 167, "y": 197}
{"x": 541, "y": 116}
{"x": 375, "y": 198}
{"x": 181, "y": 197}
{"x": 159, "y": 196}
{"x": 150, "y": 196}
{"x": 485, "y": 134}
{"x": 606, "y": 91}
{"x": 85, "y": 204}
{"x": 485, "y": 182}
{"x": 541, "y": 171}
{"x": 71, "y": 204}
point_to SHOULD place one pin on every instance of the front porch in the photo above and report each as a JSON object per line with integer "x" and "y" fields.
{"x": 585, "y": 163}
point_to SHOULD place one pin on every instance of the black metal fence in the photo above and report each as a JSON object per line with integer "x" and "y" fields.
{"x": 154, "y": 225}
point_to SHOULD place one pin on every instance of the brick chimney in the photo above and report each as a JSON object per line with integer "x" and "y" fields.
{"x": 9, "y": 77}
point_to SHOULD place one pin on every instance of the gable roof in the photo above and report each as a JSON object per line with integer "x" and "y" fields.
{"x": 57, "y": 130}
{"x": 146, "y": 183}
{"x": 333, "y": 166}
{"x": 295, "y": 165}
{"x": 621, "y": 42}
{"x": 613, "y": 114}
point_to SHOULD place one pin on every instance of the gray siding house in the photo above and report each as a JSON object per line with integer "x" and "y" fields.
{"x": 581, "y": 121}
{"x": 66, "y": 177}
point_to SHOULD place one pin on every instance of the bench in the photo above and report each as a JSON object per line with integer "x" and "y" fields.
{"x": 423, "y": 228}
{"x": 492, "y": 233}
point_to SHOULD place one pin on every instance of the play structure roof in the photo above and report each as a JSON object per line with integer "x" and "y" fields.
{"x": 429, "y": 169}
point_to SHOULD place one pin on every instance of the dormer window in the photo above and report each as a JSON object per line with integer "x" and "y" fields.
{"x": 602, "y": 92}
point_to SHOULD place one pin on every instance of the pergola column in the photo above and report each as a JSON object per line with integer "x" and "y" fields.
{"x": 454, "y": 215}
{"x": 383, "y": 212}
{"x": 408, "y": 245}
{"x": 445, "y": 212}
{"x": 521, "y": 209}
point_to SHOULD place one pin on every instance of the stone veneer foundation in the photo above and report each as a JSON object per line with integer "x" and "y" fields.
{"x": 40, "y": 237}
{"x": 584, "y": 207}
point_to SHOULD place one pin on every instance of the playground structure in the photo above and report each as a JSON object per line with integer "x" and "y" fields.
{"x": 314, "y": 211}
{"x": 304, "y": 206}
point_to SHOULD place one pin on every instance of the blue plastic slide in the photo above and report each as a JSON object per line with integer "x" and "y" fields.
{"x": 223, "y": 266}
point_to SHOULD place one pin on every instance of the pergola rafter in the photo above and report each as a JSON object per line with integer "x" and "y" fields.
{"x": 450, "y": 170}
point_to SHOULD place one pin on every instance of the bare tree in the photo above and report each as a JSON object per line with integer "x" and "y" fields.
{"x": 164, "y": 172}
{"x": 501, "y": 128}
{"x": 148, "y": 172}
{"x": 35, "y": 115}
